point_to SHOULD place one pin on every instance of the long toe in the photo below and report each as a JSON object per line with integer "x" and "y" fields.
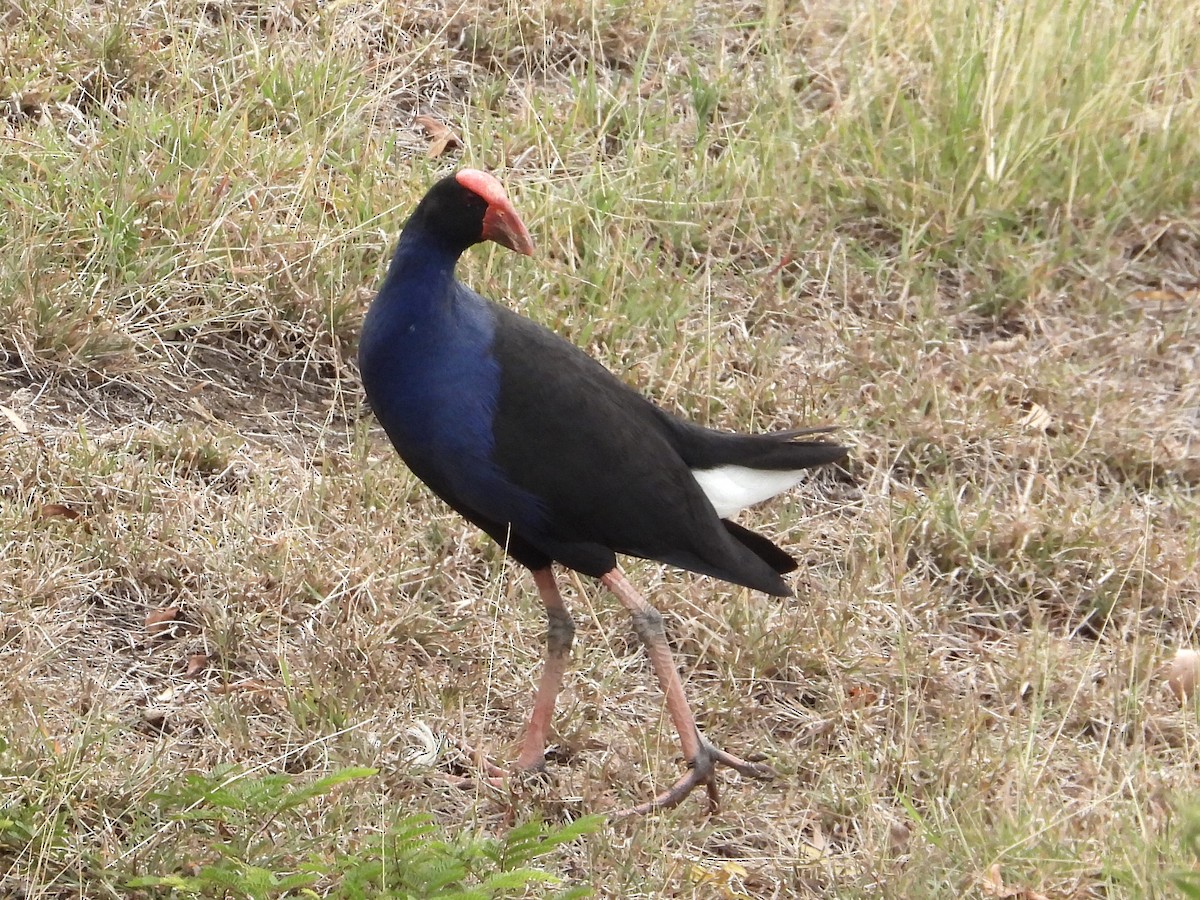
{"x": 702, "y": 769}
{"x": 479, "y": 762}
{"x": 757, "y": 771}
{"x": 481, "y": 769}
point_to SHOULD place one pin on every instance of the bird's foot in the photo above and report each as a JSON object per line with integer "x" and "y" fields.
{"x": 479, "y": 762}
{"x": 702, "y": 769}
{"x": 492, "y": 773}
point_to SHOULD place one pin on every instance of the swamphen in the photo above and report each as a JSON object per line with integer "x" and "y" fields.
{"x": 556, "y": 459}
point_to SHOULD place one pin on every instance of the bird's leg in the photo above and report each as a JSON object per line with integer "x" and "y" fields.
{"x": 701, "y": 756}
{"x": 560, "y": 631}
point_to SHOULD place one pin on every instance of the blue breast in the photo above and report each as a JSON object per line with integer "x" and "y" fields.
{"x": 433, "y": 382}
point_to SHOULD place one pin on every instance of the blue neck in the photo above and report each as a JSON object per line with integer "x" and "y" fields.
{"x": 420, "y": 278}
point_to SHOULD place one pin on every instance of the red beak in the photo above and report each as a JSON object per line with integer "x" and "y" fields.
{"x": 502, "y": 225}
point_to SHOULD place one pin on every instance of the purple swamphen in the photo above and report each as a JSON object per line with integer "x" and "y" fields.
{"x": 558, "y": 460}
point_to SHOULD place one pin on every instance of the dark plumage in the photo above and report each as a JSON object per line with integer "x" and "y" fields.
{"x": 554, "y": 457}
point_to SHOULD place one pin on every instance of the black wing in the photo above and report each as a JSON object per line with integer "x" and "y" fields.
{"x": 612, "y": 470}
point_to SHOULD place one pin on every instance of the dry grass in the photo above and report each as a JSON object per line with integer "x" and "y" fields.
{"x": 968, "y": 237}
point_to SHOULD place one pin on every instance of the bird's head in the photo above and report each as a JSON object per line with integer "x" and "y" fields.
{"x": 470, "y": 206}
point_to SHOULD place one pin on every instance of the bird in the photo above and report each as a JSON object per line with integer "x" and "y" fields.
{"x": 560, "y": 461}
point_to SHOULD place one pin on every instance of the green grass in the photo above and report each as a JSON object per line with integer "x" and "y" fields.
{"x": 966, "y": 235}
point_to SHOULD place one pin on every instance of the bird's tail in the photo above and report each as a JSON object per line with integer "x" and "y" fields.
{"x": 740, "y": 470}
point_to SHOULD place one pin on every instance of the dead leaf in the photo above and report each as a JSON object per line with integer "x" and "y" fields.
{"x": 1037, "y": 419}
{"x": 155, "y": 718}
{"x": 250, "y": 684}
{"x": 58, "y": 511}
{"x": 1006, "y": 345}
{"x": 17, "y": 422}
{"x": 196, "y": 664}
{"x": 1182, "y": 673}
{"x": 726, "y": 878}
{"x": 160, "y": 621}
{"x": 862, "y": 696}
{"x": 1163, "y": 296}
{"x": 441, "y": 136}
{"x": 899, "y": 833}
{"x": 202, "y": 411}
{"x": 55, "y": 743}
{"x": 991, "y": 884}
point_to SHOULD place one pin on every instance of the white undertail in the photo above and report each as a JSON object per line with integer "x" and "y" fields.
{"x": 730, "y": 488}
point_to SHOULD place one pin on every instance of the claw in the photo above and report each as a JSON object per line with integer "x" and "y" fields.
{"x": 702, "y": 769}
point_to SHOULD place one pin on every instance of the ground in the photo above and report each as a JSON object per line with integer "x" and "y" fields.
{"x": 966, "y": 236}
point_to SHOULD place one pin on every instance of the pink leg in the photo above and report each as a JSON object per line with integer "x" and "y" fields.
{"x": 560, "y": 631}
{"x": 701, "y": 756}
